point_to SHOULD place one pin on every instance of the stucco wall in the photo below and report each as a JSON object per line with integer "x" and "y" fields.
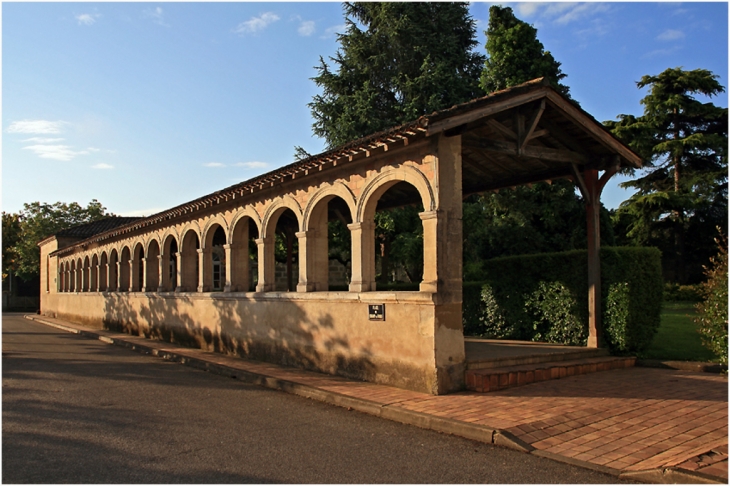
{"x": 327, "y": 331}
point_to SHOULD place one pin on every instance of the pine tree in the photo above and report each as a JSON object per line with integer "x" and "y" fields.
{"x": 397, "y": 61}
{"x": 682, "y": 195}
{"x": 515, "y": 55}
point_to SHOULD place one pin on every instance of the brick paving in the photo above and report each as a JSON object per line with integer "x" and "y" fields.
{"x": 633, "y": 419}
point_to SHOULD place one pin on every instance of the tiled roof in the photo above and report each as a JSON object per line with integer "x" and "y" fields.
{"x": 95, "y": 227}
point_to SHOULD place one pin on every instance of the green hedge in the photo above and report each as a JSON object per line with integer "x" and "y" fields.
{"x": 544, "y": 297}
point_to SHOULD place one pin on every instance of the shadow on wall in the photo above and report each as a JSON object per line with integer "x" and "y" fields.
{"x": 243, "y": 327}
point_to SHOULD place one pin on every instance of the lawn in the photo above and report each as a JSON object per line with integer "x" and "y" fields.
{"x": 678, "y": 338}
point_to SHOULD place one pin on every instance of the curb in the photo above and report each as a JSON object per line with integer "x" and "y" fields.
{"x": 671, "y": 475}
{"x": 479, "y": 433}
{"x": 682, "y": 365}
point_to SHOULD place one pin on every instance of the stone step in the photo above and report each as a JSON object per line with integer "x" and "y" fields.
{"x": 536, "y": 356}
{"x": 494, "y": 379}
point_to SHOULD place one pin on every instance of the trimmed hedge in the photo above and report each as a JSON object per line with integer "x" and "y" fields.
{"x": 544, "y": 297}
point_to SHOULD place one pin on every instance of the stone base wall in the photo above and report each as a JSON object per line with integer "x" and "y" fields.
{"x": 323, "y": 331}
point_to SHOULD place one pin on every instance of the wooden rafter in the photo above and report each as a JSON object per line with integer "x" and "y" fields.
{"x": 544, "y": 153}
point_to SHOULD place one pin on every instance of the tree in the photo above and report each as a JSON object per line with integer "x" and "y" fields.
{"x": 36, "y": 222}
{"x": 515, "y": 55}
{"x": 682, "y": 195}
{"x": 537, "y": 219}
{"x": 397, "y": 61}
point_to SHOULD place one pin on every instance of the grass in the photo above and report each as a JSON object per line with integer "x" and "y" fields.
{"x": 677, "y": 338}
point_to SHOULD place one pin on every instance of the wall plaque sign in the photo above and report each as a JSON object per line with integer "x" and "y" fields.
{"x": 376, "y": 312}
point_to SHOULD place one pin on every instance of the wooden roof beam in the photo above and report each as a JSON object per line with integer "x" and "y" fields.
{"x": 543, "y": 153}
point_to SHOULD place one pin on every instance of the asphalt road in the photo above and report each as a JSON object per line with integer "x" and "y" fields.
{"x": 76, "y": 410}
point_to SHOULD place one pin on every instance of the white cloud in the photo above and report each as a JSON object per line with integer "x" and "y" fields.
{"x": 306, "y": 28}
{"x": 35, "y": 126}
{"x": 256, "y": 24}
{"x": 526, "y": 9}
{"x": 335, "y": 29}
{"x": 102, "y": 166}
{"x": 56, "y": 152}
{"x": 42, "y": 140}
{"x": 660, "y": 52}
{"x": 252, "y": 165}
{"x": 670, "y": 35}
{"x": 156, "y": 14}
{"x": 87, "y": 19}
{"x": 214, "y": 164}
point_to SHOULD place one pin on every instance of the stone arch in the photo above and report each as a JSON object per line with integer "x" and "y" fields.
{"x": 72, "y": 277}
{"x": 206, "y": 234}
{"x": 328, "y": 192}
{"x": 248, "y": 212}
{"x": 80, "y": 275}
{"x": 189, "y": 262}
{"x": 125, "y": 261}
{"x": 152, "y": 266}
{"x": 113, "y": 270}
{"x": 389, "y": 177}
{"x": 137, "y": 267}
{"x": 192, "y": 226}
{"x": 169, "y": 250}
{"x": 240, "y": 276}
{"x": 278, "y": 206}
{"x": 103, "y": 271}
{"x": 314, "y": 240}
{"x": 214, "y": 255}
{"x": 94, "y": 280}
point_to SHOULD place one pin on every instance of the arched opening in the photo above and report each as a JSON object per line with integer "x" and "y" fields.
{"x": 244, "y": 256}
{"x": 138, "y": 268}
{"x": 124, "y": 270}
{"x": 103, "y": 270}
{"x": 114, "y": 271}
{"x": 329, "y": 245}
{"x": 152, "y": 282}
{"x": 72, "y": 277}
{"x": 94, "y": 273}
{"x": 86, "y": 275}
{"x": 285, "y": 226}
{"x": 79, "y": 276}
{"x": 398, "y": 232}
{"x": 190, "y": 262}
{"x": 169, "y": 264}
{"x": 214, "y": 270}
{"x": 63, "y": 276}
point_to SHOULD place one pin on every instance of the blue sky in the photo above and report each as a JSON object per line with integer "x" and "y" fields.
{"x": 145, "y": 106}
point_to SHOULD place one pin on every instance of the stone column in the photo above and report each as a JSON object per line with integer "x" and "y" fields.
{"x": 233, "y": 274}
{"x": 308, "y": 261}
{"x": 205, "y": 270}
{"x": 363, "y": 256}
{"x": 161, "y": 259}
{"x": 178, "y": 272}
{"x": 267, "y": 269}
{"x": 143, "y": 287}
{"x": 95, "y": 281}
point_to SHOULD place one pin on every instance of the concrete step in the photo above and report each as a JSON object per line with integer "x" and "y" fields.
{"x": 494, "y": 379}
{"x": 530, "y": 355}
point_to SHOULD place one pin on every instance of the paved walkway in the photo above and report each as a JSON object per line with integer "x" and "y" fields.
{"x": 647, "y": 424}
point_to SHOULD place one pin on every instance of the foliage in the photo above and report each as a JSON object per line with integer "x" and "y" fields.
{"x": 11, "y": 237}
{"x": 673, "y": 292}
{"x": 38, "y": 221}
{"x": 544, "y": 284}
{"x": 682, "y": 193}
{"x": 515, "y": 55}
{"x": 542, "y": 219}
{"x": 396, "y": 62}
{"x": 712, "y": 311}
{"x": 616, "y": 316}
{"x": 554, "y": 318}
{"x": 399, "y": 237}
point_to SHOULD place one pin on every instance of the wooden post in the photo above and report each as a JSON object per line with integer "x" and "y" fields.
{"x": 591, "y": 186}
